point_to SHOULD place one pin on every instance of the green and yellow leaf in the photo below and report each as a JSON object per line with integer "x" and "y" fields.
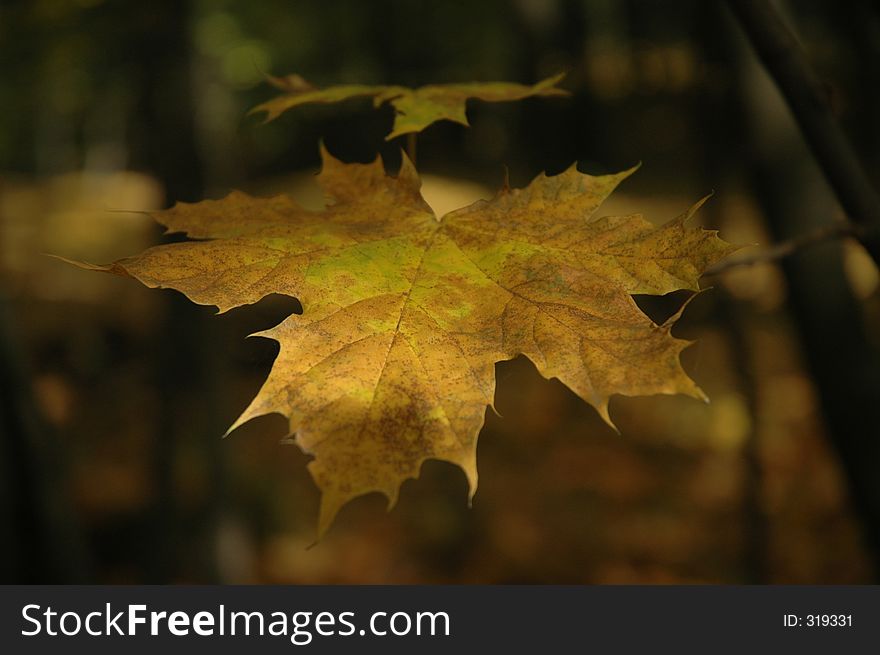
{"x": 405, "y": 314}
{"x": 415, "y": 109}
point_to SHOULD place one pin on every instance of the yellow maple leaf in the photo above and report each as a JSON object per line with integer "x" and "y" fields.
{"x": 405, "y": 315}
{"x": 415, "y": 109}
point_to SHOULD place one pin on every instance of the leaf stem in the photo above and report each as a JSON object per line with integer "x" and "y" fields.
{"x": 411, "y": 142}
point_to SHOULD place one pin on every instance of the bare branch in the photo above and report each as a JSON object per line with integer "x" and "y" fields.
{"x": 789, "y": 247}
{"x": 786, "y": 62}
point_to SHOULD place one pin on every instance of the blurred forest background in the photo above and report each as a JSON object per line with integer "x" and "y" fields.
{"x": 114, "y": 396}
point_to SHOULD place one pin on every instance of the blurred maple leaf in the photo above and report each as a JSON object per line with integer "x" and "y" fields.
{"x": 392, "y": 361}
{"x": 415, "y": 109}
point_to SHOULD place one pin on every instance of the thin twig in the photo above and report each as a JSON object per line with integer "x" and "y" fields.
{"x": 786, "y": 62}
{"x": 789, "y": 247}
